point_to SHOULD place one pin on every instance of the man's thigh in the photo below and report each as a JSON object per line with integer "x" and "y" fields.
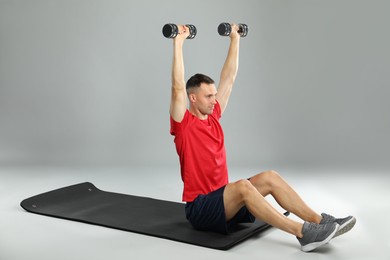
{"x": 234, "y": 196}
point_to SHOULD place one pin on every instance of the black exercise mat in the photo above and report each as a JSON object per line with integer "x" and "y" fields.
{"x": 164, "y": 219}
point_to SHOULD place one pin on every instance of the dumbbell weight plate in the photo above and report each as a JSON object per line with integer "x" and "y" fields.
{"x": 243, "y": 31}
{"x": 224, "y": 29}
{"x": 193, "y": 31}
{"x": 170, "y": 30}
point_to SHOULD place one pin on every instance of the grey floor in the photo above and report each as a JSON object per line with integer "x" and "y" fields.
{"x": 23, "y": 235}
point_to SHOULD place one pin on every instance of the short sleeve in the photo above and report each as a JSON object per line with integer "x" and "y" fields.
{"x": 176, "y": 127}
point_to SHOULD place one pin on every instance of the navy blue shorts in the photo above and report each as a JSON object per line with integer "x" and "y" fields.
{"x": 207, "y": 212}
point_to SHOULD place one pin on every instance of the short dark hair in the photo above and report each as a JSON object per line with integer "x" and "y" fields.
{"x": 196, "y": 80}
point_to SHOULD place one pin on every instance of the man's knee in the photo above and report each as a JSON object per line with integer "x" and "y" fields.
{"x": 244, "y": 186}
{"x": 266, "y": 177}
{"x": 271, "y": 174}
{"x": 266, "y": 181}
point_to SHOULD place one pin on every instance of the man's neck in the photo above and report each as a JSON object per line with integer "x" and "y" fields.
{"x": 198, "y": 114}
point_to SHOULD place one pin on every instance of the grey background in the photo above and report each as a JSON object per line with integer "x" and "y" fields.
{"x": 88, "y": 82}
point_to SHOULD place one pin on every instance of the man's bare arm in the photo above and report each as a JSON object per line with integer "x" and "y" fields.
{"x": 229, "y": 70}
{"x": 178, "y": 104}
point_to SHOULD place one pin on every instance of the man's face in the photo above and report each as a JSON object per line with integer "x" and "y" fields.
{"x": 204, "y": 98}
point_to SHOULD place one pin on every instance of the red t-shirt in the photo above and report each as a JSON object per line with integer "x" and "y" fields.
{"x": 201, "y": 150}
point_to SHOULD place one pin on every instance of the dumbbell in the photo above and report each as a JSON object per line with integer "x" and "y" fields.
{"x": 171, "y": 30}
{"x": 224, "y": 29}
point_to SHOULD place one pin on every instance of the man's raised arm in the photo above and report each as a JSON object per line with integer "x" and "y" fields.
{"x": 229, "y": 70}
{"x": 179, "y": 95}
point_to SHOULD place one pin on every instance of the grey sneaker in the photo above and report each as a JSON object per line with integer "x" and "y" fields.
{"x": 346, "y": 224}
{"x": 315, "y": 235}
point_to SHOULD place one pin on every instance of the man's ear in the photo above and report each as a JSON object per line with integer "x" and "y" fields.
{"x": 192, "y": 98}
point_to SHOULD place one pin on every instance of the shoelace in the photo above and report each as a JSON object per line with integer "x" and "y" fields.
{"x": 317, "y": 227}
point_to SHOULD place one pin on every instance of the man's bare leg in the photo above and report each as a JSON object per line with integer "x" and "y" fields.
{"x": 250, "y": 193}
{"x": 271, "y": 183}
{"x": 243, "y": 193}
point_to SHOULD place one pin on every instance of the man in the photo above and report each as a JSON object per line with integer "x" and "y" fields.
{"x": 213, "y": 203}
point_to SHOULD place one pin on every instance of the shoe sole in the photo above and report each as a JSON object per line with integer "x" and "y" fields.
{"x": 314, "y": 245}
{"x": 347, "y": 226}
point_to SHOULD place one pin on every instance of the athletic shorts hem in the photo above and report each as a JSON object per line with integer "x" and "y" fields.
{"x": 207, "y": 212}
